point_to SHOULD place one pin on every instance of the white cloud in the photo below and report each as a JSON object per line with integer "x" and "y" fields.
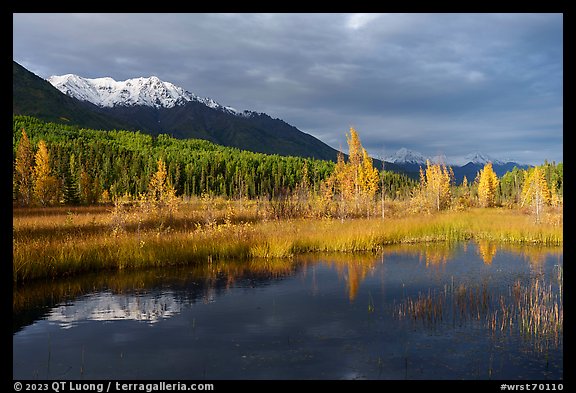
{"x": 357, "y": 21}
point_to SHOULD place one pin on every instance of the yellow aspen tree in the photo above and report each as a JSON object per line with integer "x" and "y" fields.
{"x": 487, "y": 186}
{"x": 158, "y": 182}
{"x": 369, "y": 176}
{"x": 437, "y": 185}
{"x": 354, "y": 180}
{"x": 45, "y": 185}
{"x": 344, "y": 178}
{"x": 160, "y": 191}
{"x": 536, "y": 192}
{"x": 554, "y": 197}
{"x": 23, "y": 170}
{"x": 354, "y": 161}
{"x": 105, "y": 197}
{"x": 354, "y": 148}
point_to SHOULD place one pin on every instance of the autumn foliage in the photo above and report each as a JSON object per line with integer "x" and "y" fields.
{"x": 487, "y": 186}
{"x": 353, "y": 184}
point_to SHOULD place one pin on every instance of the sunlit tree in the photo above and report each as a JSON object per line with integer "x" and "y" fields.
{"x": 23, "y": 170}
{"x": 368, "y": 176}
{"x": 160, "y": 190}
{"x": 487, "y": 186}
{"x": 536, "y": 192}
{"x": 45, "y": 185}
{"x": 435, "y": 184}
{"x": 354, "y": 181}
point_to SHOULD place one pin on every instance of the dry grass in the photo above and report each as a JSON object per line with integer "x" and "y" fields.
{"x": 532, "y": 310}
{"x": 58, "y": 242}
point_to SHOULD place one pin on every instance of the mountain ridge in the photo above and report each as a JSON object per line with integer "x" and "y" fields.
{"x": 157, "y": 107}
{"x": 191, "y": 118}
{"x": 150, "y": 91}
{"x": 407, "y": 156}
{"x": 34, "y": 96}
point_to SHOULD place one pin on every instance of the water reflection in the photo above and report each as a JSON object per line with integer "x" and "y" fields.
{"x": 487, "y": 251}
{"x": 531, "y": 309}
{"x": 107, "y": 307}
{"x": 37, "y": 300}
{"x": 130, "y": 295}
{"x": 474, "y": 310}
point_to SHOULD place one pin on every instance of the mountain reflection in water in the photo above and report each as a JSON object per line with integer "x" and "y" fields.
{"x": 322, "y": 316}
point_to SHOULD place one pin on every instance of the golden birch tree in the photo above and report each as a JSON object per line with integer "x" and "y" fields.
{"x": 356, "y": 180}
{"x": 487, "y": 186}
{"x": 45, "y": 185}
{"x": 23, "y": 170}
{"x": 160, "y": 191}
{"x": 435, "y": 183}
{"x": 535, "y": 191}
{"x": 369, "y": 176}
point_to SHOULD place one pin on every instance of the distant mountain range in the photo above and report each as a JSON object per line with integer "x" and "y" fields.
{"x": 409, "y": 162}
{"x": 155, "y": 106}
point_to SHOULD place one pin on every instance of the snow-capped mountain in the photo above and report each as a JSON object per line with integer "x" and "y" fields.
{"x": 479, "y": 158}
{"x": 405, "y": 156}
{"x": 112, "y": 307}
{"x": 152, "y": 92}
{"x": 152, "y": 106}
{"x": 410, "y": 162}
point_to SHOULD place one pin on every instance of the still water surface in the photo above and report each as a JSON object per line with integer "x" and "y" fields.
{"x": 465, "y": 311}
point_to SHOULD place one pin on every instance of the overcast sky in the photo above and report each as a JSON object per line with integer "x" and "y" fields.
{"x": 434, "y": 83}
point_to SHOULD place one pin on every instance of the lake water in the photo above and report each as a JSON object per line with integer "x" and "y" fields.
{"x": 463, "y": 311}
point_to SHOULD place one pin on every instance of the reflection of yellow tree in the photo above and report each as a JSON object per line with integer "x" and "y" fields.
{"x": 487, "y": 251}
{"x": 437, "y": 254}
{"x": 355, "y": 275}
{"x": 354, "y": 271}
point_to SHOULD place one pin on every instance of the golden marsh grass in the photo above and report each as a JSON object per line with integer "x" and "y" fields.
{"x": 58, "y": 242}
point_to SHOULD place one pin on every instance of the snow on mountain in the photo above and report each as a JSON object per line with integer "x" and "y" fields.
{"x": 111, "y": 307}
{"x": 405, "y": 156}
{"x": 439, "y": 159}
{"x": 477, "y": 157}
{"x": 106, "y": 92}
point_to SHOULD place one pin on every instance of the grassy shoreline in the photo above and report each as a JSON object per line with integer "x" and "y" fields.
{"x": 64, "y": 242}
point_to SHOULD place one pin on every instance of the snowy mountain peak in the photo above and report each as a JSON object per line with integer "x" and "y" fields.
{"x": 151, "y": 91}
{"x": 405, "y": 156}
{"x": 477, "y": 157}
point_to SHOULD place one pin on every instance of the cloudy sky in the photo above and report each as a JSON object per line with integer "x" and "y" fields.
{"x": 435, "y": 83}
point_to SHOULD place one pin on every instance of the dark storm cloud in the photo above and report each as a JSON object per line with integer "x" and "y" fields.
{"x": 436, "y": 83}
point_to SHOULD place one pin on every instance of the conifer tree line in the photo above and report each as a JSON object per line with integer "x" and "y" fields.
{"x": 89, "y": 166}
{"x": 58, "y": 164}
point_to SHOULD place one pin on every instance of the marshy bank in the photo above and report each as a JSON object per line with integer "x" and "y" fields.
{"x": 60, "y": 242}
{"x": 436, "y": 310}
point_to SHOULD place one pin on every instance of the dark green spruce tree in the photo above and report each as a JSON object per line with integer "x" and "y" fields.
{"x": 71, "y": 189}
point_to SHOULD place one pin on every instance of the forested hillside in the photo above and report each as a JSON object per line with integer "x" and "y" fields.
{"x": 122, "y": 162}
{"x": 69, "y": 165}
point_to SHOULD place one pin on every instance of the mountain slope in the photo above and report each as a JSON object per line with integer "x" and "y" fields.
{"x": 106, "y": 92}
{"x": 155, "y": 107}
{"x": 33, "y": 96}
